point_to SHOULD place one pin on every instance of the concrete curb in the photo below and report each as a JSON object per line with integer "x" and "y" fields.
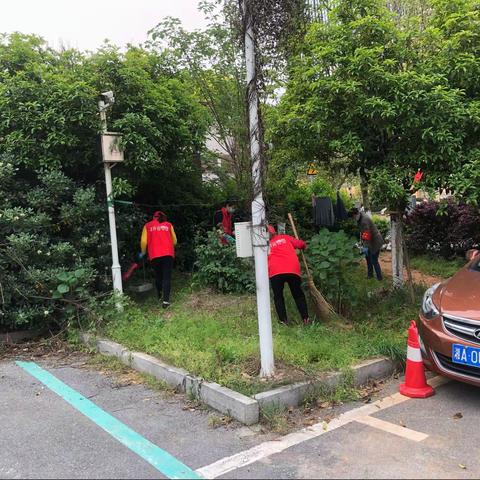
{"x": 234, "y": 404}
{"x": 20, "y": 336}
{"x": 294, "y": 395}
{"x": 231, "y": 403}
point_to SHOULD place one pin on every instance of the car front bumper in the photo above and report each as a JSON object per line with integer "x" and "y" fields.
{"x": 436, "y": 346}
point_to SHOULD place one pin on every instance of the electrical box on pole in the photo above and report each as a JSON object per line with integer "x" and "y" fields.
{"x": 112, "y": 151}
{"x": 243, "y": 239}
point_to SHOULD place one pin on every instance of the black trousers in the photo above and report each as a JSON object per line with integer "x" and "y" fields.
{"x": 295, "y": 283}
{"x": 163, "y": 266}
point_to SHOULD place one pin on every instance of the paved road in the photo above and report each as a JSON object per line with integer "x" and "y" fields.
{"x": 46, "y": 436}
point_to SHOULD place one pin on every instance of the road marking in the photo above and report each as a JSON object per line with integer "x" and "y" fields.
{"x": 392, "y": 428}
{"x": 155, "y": 456}
{"x": 267, "y": 449}
{"x": 264, "y": 450}
{"x": 438, "y": 381}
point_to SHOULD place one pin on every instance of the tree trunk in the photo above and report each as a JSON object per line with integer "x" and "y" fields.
{"x": 364, "y": 189}
{"x": 397, "y": 249}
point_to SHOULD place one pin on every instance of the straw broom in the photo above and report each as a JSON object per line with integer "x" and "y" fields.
{"x": 322, "y": 308}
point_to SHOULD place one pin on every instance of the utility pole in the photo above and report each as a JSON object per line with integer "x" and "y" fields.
{"x": 106, "y": 101}
{"x": 259, "y": 232}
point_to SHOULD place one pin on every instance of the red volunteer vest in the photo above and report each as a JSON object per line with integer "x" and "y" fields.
{"x": 159, "y": 239}
{"x": 227, "y": 222}
{"x": 283, "y": 257}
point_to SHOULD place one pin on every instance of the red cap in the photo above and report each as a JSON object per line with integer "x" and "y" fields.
{"x": 158, "y": 213}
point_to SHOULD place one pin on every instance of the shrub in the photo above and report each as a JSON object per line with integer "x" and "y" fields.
{"x": 217, "y": 266}
{"x": 446, "y": 228}
{"x": 332, "y": 256}
{"x": 383, "y": 225}
{"x": 54, "y": 249}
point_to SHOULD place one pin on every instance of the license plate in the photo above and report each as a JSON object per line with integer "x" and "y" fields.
{"x": 466, "y": 355}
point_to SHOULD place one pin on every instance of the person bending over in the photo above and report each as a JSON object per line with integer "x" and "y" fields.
{"x": 284, "y": 267}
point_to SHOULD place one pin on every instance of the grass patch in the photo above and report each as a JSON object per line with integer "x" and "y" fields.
{"x": 113, "y": 365}
{"x": 109, "y": 363}
{"x": 344, "y": 391}
{"x": 437, "y": 266}
{"x": 274, "y": 417}
{"x": 216, "y": 336}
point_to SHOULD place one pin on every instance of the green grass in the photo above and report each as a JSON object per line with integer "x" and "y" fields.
{"x": 437, "y": 266}
{"x": 216, "y": 336}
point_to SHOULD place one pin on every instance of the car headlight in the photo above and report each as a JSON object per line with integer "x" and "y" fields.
{"x": 429, "y": 309}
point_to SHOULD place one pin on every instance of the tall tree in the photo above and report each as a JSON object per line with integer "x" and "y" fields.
{"x": 213, "y": 60}
{"x": 357, "y": 92}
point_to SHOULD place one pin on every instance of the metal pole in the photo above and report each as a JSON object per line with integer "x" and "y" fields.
{"x": 259, "y": 233}
{"x": 116, "y": 269}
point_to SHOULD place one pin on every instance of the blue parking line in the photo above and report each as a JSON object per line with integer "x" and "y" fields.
{"x": 165, "y": 463}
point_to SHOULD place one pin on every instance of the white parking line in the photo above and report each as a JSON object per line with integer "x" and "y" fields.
{"x": 392, "y": 428}
{"x": 264, "y": 450}
{"x": 438, "y": 381}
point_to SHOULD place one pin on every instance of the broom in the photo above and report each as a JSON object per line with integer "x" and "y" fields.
{"x": 322, "y": 308}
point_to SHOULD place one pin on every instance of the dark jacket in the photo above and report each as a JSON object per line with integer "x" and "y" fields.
{"x": 366, "y": 224}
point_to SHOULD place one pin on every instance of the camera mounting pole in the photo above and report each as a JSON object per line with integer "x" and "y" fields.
{"x": 111, "y": 155}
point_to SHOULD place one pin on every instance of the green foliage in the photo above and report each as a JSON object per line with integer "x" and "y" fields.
{"x": 217, "y": 266}
{"x": 212, "y": 59}
{"x": 383, "y": 225}
{"x": 385, "y": 95}
{"x": 466, "y": 183}
{"x": 54, "y": 245}
{"x": 216, "y": 336}
{"x": 437, "y": 266}
{"x": 333, "y": 257}
{"x": 387, "y": 190}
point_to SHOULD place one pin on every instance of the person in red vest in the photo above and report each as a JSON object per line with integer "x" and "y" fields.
{"x": 284, "y": 267}
{"x": 159, "y": 239}
{"x": 223, "y": 220}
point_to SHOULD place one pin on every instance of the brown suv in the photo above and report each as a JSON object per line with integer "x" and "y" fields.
{"x": 449, "y": 324}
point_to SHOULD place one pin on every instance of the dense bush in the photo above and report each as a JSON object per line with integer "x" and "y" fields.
{"x": 54, "y": 236}
{"x": 218, "y": 267}
{"x": 52, "y": 242}
{"x": 332, "y": 256}
{"x": 383, "y": 225}
{"x": 447, "y": 228}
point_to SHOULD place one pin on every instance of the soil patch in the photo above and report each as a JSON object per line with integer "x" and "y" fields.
{"x": 418, "y": 277}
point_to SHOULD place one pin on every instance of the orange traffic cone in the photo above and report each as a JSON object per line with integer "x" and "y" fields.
{"x": 415, "y": 385}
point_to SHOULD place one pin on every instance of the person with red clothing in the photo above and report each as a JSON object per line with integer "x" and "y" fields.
{"x": 223, "y": 220}
{"x": 284, "y": 267}
{"x": 159, "y": 239}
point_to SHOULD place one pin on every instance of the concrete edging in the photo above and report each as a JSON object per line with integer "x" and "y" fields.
{"x": 238, "y": 406}
{"x": 231, "y": 403}
{"x": 20, "y": 336}
{"x": 294, "y": 395}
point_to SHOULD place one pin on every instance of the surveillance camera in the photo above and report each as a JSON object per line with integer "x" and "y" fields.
{"x": 107, "y": 97}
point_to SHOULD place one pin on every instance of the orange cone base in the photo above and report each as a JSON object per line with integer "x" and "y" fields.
{"x": 422, "y": 392}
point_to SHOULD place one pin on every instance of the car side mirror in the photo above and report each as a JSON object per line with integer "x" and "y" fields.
{"x": 471, "y": 254}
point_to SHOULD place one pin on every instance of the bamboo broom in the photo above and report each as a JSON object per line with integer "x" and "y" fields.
{"x": 322, "y": 308}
